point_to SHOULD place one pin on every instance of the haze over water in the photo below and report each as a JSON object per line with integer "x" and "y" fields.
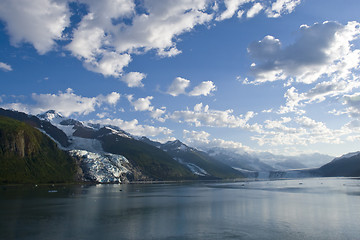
{"x": 284, "y": 209}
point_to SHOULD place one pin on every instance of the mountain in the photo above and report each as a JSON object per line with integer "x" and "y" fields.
{"x": 149, "y": 160}
{"x": 29, "y": 156}
{"x": 347, "y": 165}
{"x": 106, "y": 153}
{"x": 198, "y": 162}
{"x": 143, "y": 161}
{"x": 243, "y": 162}
{"x": 41, "y": 124}
{"x": 282, "y": 162}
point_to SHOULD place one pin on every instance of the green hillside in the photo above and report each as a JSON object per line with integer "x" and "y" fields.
{"x": 29, "y": 156}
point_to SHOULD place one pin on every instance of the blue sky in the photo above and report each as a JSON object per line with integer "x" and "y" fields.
{"x": 279, "y": 76}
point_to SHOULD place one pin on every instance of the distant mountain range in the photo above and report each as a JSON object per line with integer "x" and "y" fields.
{"x": 97, "y": 153}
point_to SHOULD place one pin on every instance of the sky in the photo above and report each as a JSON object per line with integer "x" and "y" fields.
{"x": 278, "y": 76}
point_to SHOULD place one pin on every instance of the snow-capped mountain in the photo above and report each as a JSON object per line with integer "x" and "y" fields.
{"x": 242, "y": 161}
{"x": 106, "y": 153}
{"x": 85, "y": 146}
{"x": 92, "y": 144}
{"x": 348, "y": 155}
{"x": 198, "y": 162}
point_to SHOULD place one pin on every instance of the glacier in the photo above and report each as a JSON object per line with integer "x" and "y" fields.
{"x": 103, "y": 167}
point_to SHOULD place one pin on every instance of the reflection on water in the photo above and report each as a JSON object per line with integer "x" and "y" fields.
{"x": 287, "y": 209}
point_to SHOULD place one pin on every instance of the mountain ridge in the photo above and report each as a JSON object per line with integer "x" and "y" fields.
{"x": 109, "y": 154}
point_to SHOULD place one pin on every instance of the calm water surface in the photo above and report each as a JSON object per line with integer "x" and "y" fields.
{"x": 286, "y": 209}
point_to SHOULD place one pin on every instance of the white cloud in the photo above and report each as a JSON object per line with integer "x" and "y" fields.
{"x": 133, "y": 127}
{"x": 318, "y": 93}
{"x": 66, "y": 103}
{"x": 39, "y": 22}
{"x": 324, "y": 49}
{"x": 5, "y": 67}
{"x": 300, "y": 131}
{"x": 240, "y": 13}
{"x": 254, "y": 10}
{"x": 92, "y": 41}
{"x": 144, "y": 104}
{"x": 100, "y": 43}
{"x": 178, "y": 86}
{"x": 158, "y": 114}
{"x": 163, "y": 22}
{"x": 102, "y": 115}
{"x": 282, "y": 6}
{"x": 203, "y": 116}
{"x": 112, "y": 31}
{"x": 110, "y": 64}
{"x": 111, "y": 98}
{"x": 272, "y": 9}
{"x": 202, "y": 139}
{"x": 141, "y": 104}
{"x": 133, "y": 79}
{"x": 353, "y": 105}
{"x": 204, "y": 88}
{"x": 231, "y": 7}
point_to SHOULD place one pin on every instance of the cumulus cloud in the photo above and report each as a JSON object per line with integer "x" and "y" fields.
{"x": 39, "y": 22}
{"x": 202, "y": 139}
{"x": 106, "y": 47}
{"x": 352, "y": 103}
{"x": 111, "y": 32}
{"x": 110, "y": 64}
{"x": 203, "y": 116}
{"x": 231, "y": 7}
{"x": 204, "y": 88}
{"x": 318, "y": 93}
{"x": 141, "y": 104}
{"x": 5, "y": 67}
{"x": 280, "y": 7}
{"x": 324, "y": 49}
{"x": 273, "y": 9}
{"x": 178, "y": 86}
{"x": 133, "y": 79}
{"x": 144, "y": 104}
{"x": 66, "y": 103}
{"x": 301, "y": 130}
{"x": 159, "y": 114}
{"x": 111, "y": 98}
{"x": 164, "y": 20}
{"x": 134, "y": 128}
{"x": 254, "y": 10}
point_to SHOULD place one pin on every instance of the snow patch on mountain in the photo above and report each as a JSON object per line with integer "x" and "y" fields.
{"x": 88, "y": 144}
{"x": 68, "y": 130}
{"x": 348, "y": 155}
{"x": 104, "y": 167}
{"x": 193, "y": 167}
{"x": 51, "y": 116}
{"x": 118, "y": 132}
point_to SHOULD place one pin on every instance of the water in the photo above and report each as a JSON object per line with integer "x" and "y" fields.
{"x": 286, "y": 209}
